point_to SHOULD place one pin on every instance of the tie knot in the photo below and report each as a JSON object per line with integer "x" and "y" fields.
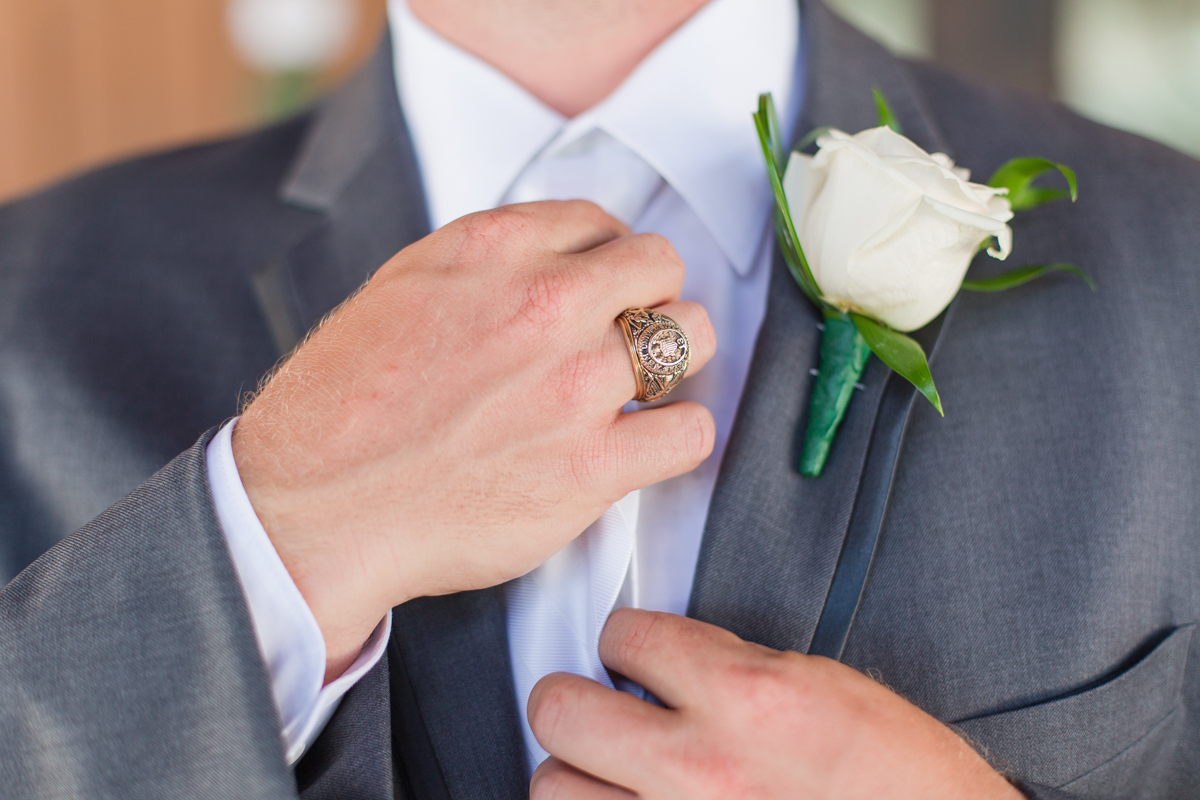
{"x": 593, "y": 167}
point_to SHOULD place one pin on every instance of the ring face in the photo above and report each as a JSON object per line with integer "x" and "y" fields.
{"x": 660, "y": 351}
{"x": 662, "y": 348}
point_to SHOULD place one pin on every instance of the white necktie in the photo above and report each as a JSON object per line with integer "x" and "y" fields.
{"x": 556, "y": 612}
{"x": 595, "y": 167}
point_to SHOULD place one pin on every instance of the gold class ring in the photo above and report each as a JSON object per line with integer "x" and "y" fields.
{"x": 659, "y": 349}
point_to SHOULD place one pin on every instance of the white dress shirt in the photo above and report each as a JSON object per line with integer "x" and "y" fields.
{"x": 289, "y": 639}
{"x": 672, "y": 151}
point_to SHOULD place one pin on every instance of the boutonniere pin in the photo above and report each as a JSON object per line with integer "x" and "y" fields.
{"x": 879, "y": 234}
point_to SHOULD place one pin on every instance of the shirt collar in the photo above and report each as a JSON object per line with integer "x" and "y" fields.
{"x": 685, "y": 110}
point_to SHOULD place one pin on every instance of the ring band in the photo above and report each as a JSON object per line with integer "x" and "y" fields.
{"x": 660, "y": 351}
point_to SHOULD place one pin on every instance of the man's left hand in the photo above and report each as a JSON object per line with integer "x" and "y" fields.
{"x": 741, "y": 720}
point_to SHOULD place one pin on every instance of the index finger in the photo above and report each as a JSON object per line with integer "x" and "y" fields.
{"x": 573, "y": 226}
{"x": 671, "y": 656}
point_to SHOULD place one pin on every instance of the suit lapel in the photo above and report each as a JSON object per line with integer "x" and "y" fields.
{"x": 461, "y": 707}
{"x": 453, "y": 721}
{"x": 784, "y": 558}
{"x": 357, "y": 169}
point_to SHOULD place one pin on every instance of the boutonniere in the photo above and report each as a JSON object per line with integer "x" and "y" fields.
{"x": 879, "y": 234}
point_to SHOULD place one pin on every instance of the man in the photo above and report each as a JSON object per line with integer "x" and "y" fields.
{"x": 1024, "y": 570}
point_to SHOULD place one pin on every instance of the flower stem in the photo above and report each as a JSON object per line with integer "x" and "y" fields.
{"x": 844, "y": 355}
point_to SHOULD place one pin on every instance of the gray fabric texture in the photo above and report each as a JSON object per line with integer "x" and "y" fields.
{"x": 128, "y": 667}
{"x": 352, "y": 758}
{"x": 1033, "y": 556}
{"x": 1036, "y": 573}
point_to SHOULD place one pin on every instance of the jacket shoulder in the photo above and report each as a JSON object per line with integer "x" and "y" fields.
{"x": 162, "y": 201}
{"x": 1136, "y": 226}
{"x": 991, "y": 125}
{"x": 128, "y": 322}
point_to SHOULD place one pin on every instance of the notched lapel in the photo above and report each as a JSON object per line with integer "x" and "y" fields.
{"x": 356, "y": 168}
{"x": 459, "y": 707}
{"x": 784, "y": 558}
{"x": 773, "y": 537}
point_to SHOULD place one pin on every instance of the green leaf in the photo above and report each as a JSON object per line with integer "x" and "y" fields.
{"x": 1022, "y": 275}
{"x": 813, "y": 135}
{"x": 902, "y": 354}
{"x": 766, "y": 109}
{"x": 1036, "y": 196}
{"x": 1018, "y": 176}
{"x": 794, "y": 264}
{"x": 768, "y": 136}
{"x": 887, "y": 118}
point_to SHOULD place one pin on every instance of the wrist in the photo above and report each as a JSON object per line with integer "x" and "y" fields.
{"x": 333, "y": 578}
{"x": 345, "y": 614}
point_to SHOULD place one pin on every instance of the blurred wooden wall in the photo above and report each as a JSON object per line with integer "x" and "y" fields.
{"x": 87, "y": 81}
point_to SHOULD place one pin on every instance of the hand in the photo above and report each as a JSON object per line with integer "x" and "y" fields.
{"x": 741, "y": 721}
{"x": 458, "y": 421}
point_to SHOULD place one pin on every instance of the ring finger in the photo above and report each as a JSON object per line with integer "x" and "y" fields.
{"x": 697, "y": 328}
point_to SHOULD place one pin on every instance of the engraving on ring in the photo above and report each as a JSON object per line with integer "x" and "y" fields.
{"x": 660, "y": 351}
{"x": 663, "y": 349}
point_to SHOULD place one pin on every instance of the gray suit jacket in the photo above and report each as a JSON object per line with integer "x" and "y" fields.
{"x": 1026, "y": 568}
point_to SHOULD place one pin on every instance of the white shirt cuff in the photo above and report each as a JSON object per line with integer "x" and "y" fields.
{"x": 288, "y": 636}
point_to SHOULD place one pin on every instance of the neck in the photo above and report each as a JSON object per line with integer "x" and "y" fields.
{"x": 570, "y": 54}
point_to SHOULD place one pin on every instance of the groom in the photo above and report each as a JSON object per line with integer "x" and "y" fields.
{"x": 1023, "y": 570}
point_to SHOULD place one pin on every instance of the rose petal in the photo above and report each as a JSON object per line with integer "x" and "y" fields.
{"x": 909, "y": 278}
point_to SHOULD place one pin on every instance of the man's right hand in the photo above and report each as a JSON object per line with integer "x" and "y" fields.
{"x": 458, "y": 421}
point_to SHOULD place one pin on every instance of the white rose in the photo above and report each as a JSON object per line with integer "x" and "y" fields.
{"x": 888, "y": 229}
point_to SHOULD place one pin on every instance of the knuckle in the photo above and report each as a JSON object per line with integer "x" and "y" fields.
{"x": 659, "y": 248}
{"x": 666, "y": 256}
{"x": 761, "y": 688}
{"x": 591, "y": 224}
{"x": 587, "y": 211}
{"x": 652, "y": 250}
{"x": 492, "y": 229}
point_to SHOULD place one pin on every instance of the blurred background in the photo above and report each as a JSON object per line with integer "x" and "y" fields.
{"x": 87, "y": 81}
